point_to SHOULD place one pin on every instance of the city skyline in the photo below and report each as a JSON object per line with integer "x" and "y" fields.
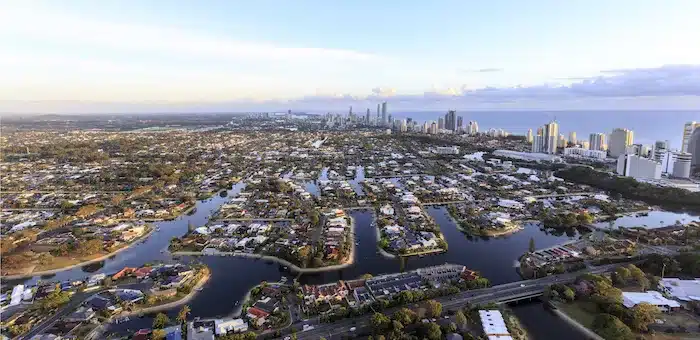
{"x": 146, "y": 57}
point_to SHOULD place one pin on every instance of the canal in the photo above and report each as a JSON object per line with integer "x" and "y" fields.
{"x": 494, "y": 258}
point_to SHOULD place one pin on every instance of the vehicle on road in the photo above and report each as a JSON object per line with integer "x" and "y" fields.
{"x": 522, "y": 285}
{"x": 352, "y": 329}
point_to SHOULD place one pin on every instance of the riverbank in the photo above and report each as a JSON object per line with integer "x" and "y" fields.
{"x": 80, "y": 264}
{"x": 152, "y": 309}
{"x": 577, "y": 325}
{"x": 349, "y": 262}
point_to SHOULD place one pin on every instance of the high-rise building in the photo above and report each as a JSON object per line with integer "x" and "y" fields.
{"x": 451, "y": 120}
{"x": 688, "y": 129}
{"x": 596, "y": 141}
{"x": 572, "y": 138}
{"x": 694, "y": 146}
{"x": 638, "y": 167}
{"x": 676, "y": 164}
{"x": 551, "y": 136}
{"x": 586, "y": 144}
{"x": 538, "y": 144}
{"x": 367, "y": 117}
{"x": 433, "y": 128}
{"x": 529, "y": 135}
{"x": 441, "y": 123}
{"x": 379, "y": 117}
{"x": 660, "y": 147}
{"x": 459, "y": 123}
{"x": 385, "y": 120}
{"x": 620, "y": 139}
{"x": 561, "y": 143}
{"x": 403, "y": 126}
{"x": 473, "y": 128}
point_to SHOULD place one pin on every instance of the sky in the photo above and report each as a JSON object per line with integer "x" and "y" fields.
{"x": 316, "y": 55}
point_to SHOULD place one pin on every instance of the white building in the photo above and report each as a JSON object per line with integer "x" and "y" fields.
{"x": 620, "y": 139}
{"x": 446, "y": 150}
{"x": 224, "y": 326}
{"x": 529, "y": 135}
{"x": 596, "y": 141}
{"x": 493, "y": 325}
{"x": 638, "y": 167}
{"x": 631, "y": 299}
{"x": 683, "y": 290}
{"x": 551, "y": 137}
{"x": 538, "y": 144}
{"x": 676, "y": 164}
{"x": 577, "y": 152}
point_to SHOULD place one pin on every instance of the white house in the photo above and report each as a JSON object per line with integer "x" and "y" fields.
{"x": 631, "y": 299}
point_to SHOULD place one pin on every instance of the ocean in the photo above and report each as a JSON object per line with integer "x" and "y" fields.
{"x": 648, "y": 126}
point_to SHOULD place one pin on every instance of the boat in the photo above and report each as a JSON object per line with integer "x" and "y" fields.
{"x": 199, "y": 289}
{"x": 357, "y": 243}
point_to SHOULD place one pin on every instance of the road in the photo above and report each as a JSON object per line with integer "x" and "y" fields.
{"x": 75, "y": 301}
{"x": 337, "y": 330}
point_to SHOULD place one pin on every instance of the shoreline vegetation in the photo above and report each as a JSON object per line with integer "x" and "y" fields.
{"x": 466, "y": 228}
{"x": 79, "y": 264}
{"x": 348, "y": 262}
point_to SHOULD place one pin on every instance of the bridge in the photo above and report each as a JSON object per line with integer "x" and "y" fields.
{"x": 504, "y": 293}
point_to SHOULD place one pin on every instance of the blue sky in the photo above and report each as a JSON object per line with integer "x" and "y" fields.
{"x": 322, "y": 55}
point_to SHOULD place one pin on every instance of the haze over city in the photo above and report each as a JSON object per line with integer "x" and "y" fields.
{"x": 161, "y": 56}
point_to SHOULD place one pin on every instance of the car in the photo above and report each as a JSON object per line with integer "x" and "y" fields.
{"x": 352, "y": 329}
{"x": 287, "y": 338}
{"x": 522, "y": 285}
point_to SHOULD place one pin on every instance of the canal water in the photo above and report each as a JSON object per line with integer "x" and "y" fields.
{"x": 654, "y": 219}
{"x": 494, "y": 258}
{"x": 542, "y": 324}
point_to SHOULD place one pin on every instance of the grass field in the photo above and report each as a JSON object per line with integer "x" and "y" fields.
{"x": 582, "y": 311}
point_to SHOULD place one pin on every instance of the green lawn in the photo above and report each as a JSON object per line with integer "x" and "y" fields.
{"x": 582, "y": 311}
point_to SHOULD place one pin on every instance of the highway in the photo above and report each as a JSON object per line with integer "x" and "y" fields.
{"x": 504, "y": 292}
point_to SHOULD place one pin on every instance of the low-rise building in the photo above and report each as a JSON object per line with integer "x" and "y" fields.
{"x": 631, "y": 299}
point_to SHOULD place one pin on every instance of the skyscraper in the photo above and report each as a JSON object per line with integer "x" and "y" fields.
{"x": 688, "y": 129}
{"x": 620, "y": 139}
{"x": 596, "y": 141}
{"x": 441, "y": 123}
{"x": 538, "y": 143}
{"x": 572, "y": 137}
{"x": 529, "y": 135}
{"x": 403, "y": 126}
{"x": 459, "y": 123}
{"x": 367, "y": 117}
{"x": 660, "y": 148}
{"x": 551, "y": 135}
{"x": 561, "y": 143}
{"x": 451, "y": 120}
{"x": 384, "y": 117}
{"x": 694, "y": 147}
{"x": 379, "y": 117}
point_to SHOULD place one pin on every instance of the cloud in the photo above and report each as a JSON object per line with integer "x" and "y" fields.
{"x": 56, "y": 27}
{"x": 665, "y": 87}
{"x": 482, "y": 70}
{"x": 383, "y": 92}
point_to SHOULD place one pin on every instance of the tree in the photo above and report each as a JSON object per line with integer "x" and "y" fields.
{"x": 405, "y": 297}
{"x": 622, "y": 276}
{"x": 160, "y": 321}
{"x": 380, "y": 322}
{"x": 435, "y": 308}
{"x": 405, "y": 316}
{"x": 396, "y": 326}
{"x": 182, "y": 314}
{"x": 433, "y": 331}
{"x": 605, "y": 293}
{"x": 158, "y": 334}
{"x": 639, "y": 277}
{"x": 460, "y": 319}
{"x": 532, "y": 245}
{"x": 642, "y": 315}
{"x": 610, "y": 327}
{"x": 568, "y": 293}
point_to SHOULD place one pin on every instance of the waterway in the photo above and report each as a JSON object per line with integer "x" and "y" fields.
{"x": 542, "y": 324}
{"x": 654, "y": 219}
{"x": 232, "y": 277}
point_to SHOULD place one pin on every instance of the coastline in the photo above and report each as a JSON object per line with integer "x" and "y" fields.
{"x": 98, "y": 259}
{"x": 293, "y": 267}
